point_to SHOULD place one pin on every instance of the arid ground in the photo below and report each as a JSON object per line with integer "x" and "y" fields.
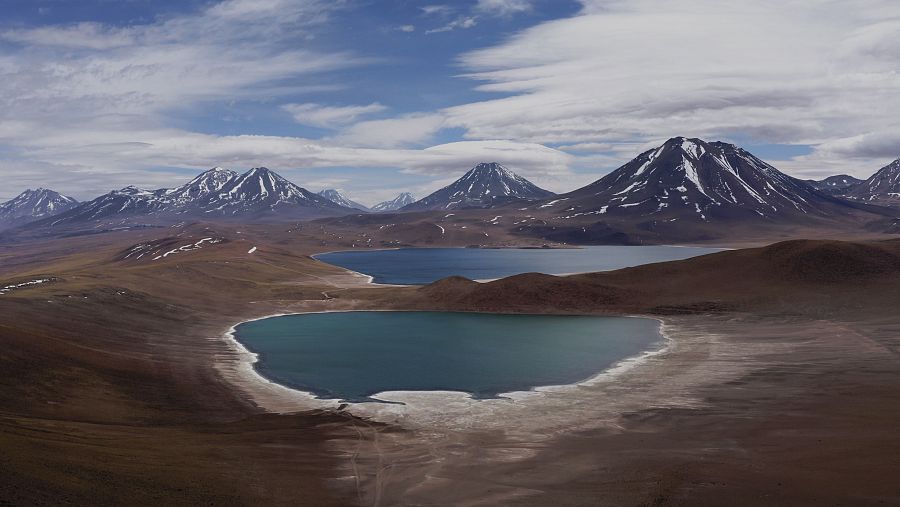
{"x": 780, "y": 383}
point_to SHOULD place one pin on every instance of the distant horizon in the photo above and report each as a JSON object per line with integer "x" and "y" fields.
{"x": 345, "y": 193}
{"x": 99, "y": 95}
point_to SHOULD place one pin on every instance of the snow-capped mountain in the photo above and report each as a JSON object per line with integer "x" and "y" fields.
{"x": 396, "y": 203}
{"x": 694, "y": 180}
{"x": 205, "y": 185}
{"x": 884, "y": 185}
{"x": 217, "y": 193}
{"x": 33, "y": 205}
{"x": 839, "y": 184}
{"x": 334, "y": 195}
{"x": 484, "y": 186}
{"x": 262, "y": 191}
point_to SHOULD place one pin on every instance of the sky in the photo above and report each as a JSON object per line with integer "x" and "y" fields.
{"x": 376, "y": 97}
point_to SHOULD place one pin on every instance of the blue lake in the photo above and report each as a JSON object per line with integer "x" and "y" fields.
{"x": 419, "y": 266}
{"x": 353, "y": 355}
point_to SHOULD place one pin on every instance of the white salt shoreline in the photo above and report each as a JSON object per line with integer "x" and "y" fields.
{"x": 412, "y": 408}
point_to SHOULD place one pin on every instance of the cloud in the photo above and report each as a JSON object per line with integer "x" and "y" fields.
{"x": 88, "y": 105}
{"x": 70, "y": 93}
{"x": 436, "y": 10}
{"x": 407, "y": 28}
{"x": 86, "y": 169}
{"x": 859, "y": 155}
{"x": 799, "y": 72}
{"x": 86, "y": 108}
{"x": 318, "y": 115}
{"x": 589, "y": 147}
{"x": 80, "y": 35}
{"x": 503, "y": 7}
{"x": 143, "y": 71}
{"x": 884, "y": 144}
{"x": 407, "y": 130}
{"x": 458, "y": 23}
{"x": 483, "y": 8}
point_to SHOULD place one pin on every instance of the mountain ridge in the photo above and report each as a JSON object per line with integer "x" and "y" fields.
{"x": 839, "y": 184}
{"x": 883, "y": 185}
{"x": 218, "y": 192}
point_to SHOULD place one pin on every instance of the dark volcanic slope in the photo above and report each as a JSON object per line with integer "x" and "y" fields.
{"x": 815, "y": 278}
{"x": 33, "y": 205}
{"x": 693, "y": 180}
{"x": 883, "y": 185}
{"x": 838, "y": 184}
{"x": 483, "y": 186}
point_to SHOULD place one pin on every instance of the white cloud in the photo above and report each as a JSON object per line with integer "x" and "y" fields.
{"x": 138, "y": 73}
{"x": 503, "y": 7}
{"x": 436, "y": 10}
{"x": 87, "y": 106}
{"x": 94, "y": 115}
{"x": 797, "y": 72}
{"x": 84, "y": 168}
{"x": 318, "y": 115}
{"x": 463, "y": 22}
{"x": 80, "y": 35}
{"x": 882, "y": 144}
{"x": 407, "y": 130}
{"x": 407, "y": 28}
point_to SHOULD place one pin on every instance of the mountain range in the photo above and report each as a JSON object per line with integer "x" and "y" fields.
{"x": 217, "y": 193}
{"x": 683, "y": 181}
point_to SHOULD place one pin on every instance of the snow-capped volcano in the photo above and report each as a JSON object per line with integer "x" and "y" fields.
{"x": 217, "y": 193}
{"x": 884, "y": 185}
{"x": 691, "y": 179}
{"x": 485, "y": 185}
{"x": 334, "y": 195}
{"x": 204, "y": 185}
{"x": 261, "y": 190}
{"x": 839, "y": 184}
{"x": 33, "y": 205}
{"x": 396, "y": 203}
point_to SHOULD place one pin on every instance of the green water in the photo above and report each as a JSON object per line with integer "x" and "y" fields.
{"x": 353, "y": 355}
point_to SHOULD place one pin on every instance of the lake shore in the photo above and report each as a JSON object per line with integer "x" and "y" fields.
{"x": 425, "y": 409}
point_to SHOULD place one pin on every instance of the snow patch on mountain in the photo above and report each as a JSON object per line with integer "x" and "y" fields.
{"x": 484, "y": 186}
{"x": 217, "y": 192}
{"x": 394, "y": 204}
{"x": 334, "y": 195}
{"x": 33, "y": 205}
{"x": 884, "y": 184}
{"x": 692, "y": 178}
